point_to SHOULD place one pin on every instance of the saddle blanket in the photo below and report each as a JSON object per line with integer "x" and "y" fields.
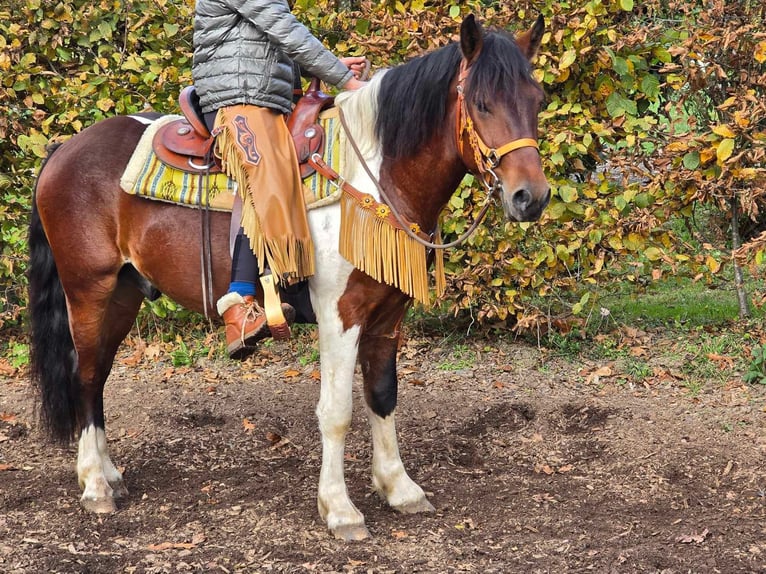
{"x": 146, "y": 176}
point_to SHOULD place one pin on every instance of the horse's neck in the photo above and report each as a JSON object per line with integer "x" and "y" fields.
{"x": 423, "y": 184}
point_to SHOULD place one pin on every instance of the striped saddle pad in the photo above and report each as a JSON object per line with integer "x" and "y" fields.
{"x": 146, "y": 176}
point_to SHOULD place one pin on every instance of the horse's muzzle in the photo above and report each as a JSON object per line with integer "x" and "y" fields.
{"x": 526, "y": 203}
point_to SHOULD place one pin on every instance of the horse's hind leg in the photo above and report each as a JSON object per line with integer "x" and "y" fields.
{"x": 377, "y": 357}
{"x": 100, "y": 318}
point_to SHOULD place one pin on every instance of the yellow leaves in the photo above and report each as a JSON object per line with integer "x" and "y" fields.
{"x": 567, "y": 59}
{"x": 653, "y": 254}
{"x": 706, "y": 155}
{"x": 677, "y": 146}
{"x": 713, "y": 264}
{"x": 760, "y": 52}
{"x": 105, "y": 104}
{"x": 568, "y": 193}
{"x": 34, "y": 143}
{"x": 724, "y": 150}
{"x": 724, "y": 131}
{"x": 741, "y": 119}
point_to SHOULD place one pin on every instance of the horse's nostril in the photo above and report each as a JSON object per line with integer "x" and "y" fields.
{"x": 522, "y": 199}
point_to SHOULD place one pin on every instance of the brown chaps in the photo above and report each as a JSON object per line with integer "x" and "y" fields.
{"x": 257, "y": 151}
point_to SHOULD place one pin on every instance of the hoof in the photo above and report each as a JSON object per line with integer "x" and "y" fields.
{"x": 119, "y": 490}
{"x": 416, "y": 507}
{"x": 99, "y": 506}
{"x": 351, "y": 532}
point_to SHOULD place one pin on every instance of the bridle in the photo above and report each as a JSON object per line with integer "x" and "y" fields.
{"x": 486, "y": 158}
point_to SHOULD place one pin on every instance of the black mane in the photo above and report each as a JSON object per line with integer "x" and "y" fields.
{"x": 412, "y": 103}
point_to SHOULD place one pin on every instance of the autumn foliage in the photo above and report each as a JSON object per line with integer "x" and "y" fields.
{"x": 655, "y": 114}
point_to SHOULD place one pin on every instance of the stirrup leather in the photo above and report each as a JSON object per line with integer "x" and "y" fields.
{"x": 272, "y": 304}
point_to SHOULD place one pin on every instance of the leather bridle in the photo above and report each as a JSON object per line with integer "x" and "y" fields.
{"x": 486, "y": 158}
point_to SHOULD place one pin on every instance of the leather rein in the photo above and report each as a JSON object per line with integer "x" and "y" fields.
{"x": 486, "y": 158}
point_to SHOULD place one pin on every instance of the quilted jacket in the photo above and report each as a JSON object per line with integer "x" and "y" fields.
{"x": 244, "y": 52}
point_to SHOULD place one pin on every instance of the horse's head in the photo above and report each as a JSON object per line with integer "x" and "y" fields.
{"x": 498, "y": 103}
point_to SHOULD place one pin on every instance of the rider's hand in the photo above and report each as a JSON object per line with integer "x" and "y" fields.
{"x": 357, "y": 64}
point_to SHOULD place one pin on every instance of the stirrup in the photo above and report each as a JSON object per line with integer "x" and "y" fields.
{"x": 272, "y": 304}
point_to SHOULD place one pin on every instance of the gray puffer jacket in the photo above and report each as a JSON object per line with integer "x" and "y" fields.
{"x": 244, "y": 52}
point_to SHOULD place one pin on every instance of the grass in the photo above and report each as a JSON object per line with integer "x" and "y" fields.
{"x": 460, "y": 357}
{"x": 694, "y": 329}
{"x": 676, "y": 302}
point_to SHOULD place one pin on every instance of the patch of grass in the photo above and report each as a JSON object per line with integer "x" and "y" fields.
{"x": 756, "y": 370}
{"x": 637, "y": 369}
{"x": 306, "y": 343}
{"x": 185, "y": 356}
{"x": 676, "y": 302}
{"x": 460, "y": 357}
{"x": 567, "y": 346}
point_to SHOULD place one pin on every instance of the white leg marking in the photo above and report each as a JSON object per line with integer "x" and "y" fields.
{"x": 338, "y": 359}
{"x": 338, "y": 352}
{"x": 100, "y": 480}
{"x": 389, "y": 478}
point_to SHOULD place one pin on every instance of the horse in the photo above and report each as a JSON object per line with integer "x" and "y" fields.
{"x": 96, "y": 252}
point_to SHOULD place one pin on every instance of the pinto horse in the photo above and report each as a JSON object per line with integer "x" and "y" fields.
{"x": 96, "y": 252}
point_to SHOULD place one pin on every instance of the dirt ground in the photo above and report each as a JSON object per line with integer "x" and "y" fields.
{"x": 534, "y": 464}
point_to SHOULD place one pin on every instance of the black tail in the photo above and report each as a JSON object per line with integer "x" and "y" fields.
{"x": 52, "y": 354}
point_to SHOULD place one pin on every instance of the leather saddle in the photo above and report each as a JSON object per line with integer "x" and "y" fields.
{"x": 186, "y": 143}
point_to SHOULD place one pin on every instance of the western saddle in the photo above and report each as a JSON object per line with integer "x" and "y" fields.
{"x": 187, "y": 144}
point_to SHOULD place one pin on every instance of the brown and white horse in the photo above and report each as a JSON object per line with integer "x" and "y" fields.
{"x": 96, "y": 252}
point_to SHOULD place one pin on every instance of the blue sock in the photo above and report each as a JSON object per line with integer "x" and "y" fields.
{"x": 244, "y": 288}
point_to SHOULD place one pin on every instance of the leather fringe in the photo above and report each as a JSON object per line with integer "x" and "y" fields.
{"x": 384, "y": 252}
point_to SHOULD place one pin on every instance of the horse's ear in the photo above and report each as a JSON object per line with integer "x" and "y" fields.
{"x": 529, "y": 41}
{"x": 471, "y": 38}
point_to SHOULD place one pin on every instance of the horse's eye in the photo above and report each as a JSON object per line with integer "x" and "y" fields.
{"x": 482, "y": 107}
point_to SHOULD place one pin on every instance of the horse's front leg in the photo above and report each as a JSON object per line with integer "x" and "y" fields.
{"x": 338, "y": 349}
{"x": 377, "y": 357}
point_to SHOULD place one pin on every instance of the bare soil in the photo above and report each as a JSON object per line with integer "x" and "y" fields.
{"x": 534, "y": 464}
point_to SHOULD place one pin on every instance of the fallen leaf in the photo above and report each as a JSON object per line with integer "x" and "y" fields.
{"x": 721, "y": 360}
{"x": 693, "y": 538}
{"x": 316, "y": 375}
{"x": 273, "y": 437}
{"x": 292, "y": 373}
{"x": 565, "y": 468}
{"x": 247, "y": 425}
{"x": 7, "y": 467}
{"x": 135, "y": 357}
{"x": 544, "y": 468}
{"x": 498, "y": 385}
{"x": 399, "y": 534}
{"x": 152, "y": 352}
{"x": 8, "y": 418}
{"x": 6, "y": 369}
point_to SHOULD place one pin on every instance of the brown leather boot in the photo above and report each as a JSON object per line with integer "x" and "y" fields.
{"x": 245, "y": 323}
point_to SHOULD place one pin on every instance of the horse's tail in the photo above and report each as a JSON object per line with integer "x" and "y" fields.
{"x": 52, "y": 354}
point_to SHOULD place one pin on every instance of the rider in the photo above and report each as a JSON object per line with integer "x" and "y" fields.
{"x": 244, "y": 65}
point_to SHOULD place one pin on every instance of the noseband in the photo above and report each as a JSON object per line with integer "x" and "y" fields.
{"x": 486, "y": 158}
